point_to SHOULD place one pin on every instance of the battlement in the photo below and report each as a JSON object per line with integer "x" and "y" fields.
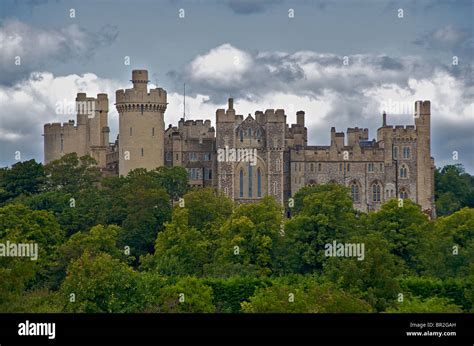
{"x": 51, "y": 128}
{"x": 157, "y": 95}
{"x": 273, "y": 116}
{"x": 422, "y": 108}
{"x": 88, "y": 104}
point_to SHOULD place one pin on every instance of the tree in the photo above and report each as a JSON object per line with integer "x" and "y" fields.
{"x": 454, "y": 189}
{"x": 430, "y": 305}
{"x": 375, "y": 278}
{"x": 72, "y": 173}
{"x": 173, "y": 179}
{"x": 306, "y": 296}
{"x": 247, "y": 239}
{"x": 99, "y": 284}
{"x": 20, "y": 225}
{"x": 324, "y": 214}
{"x": 404, "y": 227}
{"x": 179, "y": 249}
{"x": 24, "y": 177}
{"x": 187, "y": 294}
{"x": 448, "y": 248}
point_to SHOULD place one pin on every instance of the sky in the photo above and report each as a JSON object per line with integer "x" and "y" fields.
{"x": 342, "y": 62}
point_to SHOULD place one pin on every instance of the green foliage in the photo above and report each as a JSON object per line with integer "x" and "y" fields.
{"x": 100, "y": 284}
{"x": 307, "y": 296}
{"x": 454, "y": 189}
{"x": 246, "y": 246}
{"x": 451, "y": 289}
{"x": 430, "y": 305}
{"x": 231, "y": 292}
{"x": 173, "y": 179}
{"x": 374, "y": 278}
{"x": 72, "y": 173}
{"x": 324, "y": 214}
{"x": 179, "y": 249}
{"x": 24, "y": 177}
{"x": 403, "y": 227}
{"x": 451, "y": 238}
{"x": 187, "y": 294}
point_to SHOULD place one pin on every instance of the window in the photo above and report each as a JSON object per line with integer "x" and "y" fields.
{"x": 312, "y": 167}
{"x": 348, "y": 167}
{"x": 241, "y": 182}
{"x": 177, "y": 157}
{"x": 403, "y": 193}
{"x": 207, "y": 157}
{"x": 340, "y": 167}
{"x": 250, "y": 181}
{"x": 141, "y": 108}
{"x": 193, "y": 173}
{"x": 319, "y": 167}
{"x": 258, "y": 133}
{"x": 370, "y": 167}
{"x": 259, "y": 183}
{"x": 355, "y": 192}
{"x": 406, "y": 152}
{"x": 142, "y": 151}
{"x": 249, "y": 132}
{"x": 395, "y": 152}
{"x": 375, "y": 192}
{"x": 403, "y": 171}
{"x": 153, "y": 131}
{"x": 241, "y": 135}
{"x": 207, "y": 173}
{"x": 62, "y": 143}
{"x": 168, "y": 156}
{"x": 381, "y": 167}
{"x": 192, "y": 156}
{"x": 130, "y": 131}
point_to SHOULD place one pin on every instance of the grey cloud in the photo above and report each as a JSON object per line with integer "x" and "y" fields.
{"x": 250, "y": 6}
{"x": 42, "y": 49}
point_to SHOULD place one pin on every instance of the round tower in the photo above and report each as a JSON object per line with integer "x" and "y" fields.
{"x": 141, "y": 124}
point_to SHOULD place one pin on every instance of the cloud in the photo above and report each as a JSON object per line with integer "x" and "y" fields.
{"x": 250, "y": 6}
{"x": 449, "y": 37}
{"x": 38, "y": 48}
{"x": 30, "y": 103}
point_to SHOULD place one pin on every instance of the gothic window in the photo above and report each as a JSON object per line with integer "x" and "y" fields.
{"x": 395, "y": 152}
{"x": 258, "y": 133}
{"x": 403, "y": 193}
{"x": 370, "y": 167}
{"x": 241, "y": 182}
{"x": 376, "y": 192}
{"x": 355, "y": 192}
{"x": 192, "y": 156}
{"x": 250, "y": 181}
{"x": 259, "y": 183}
{"x": 403, "y": 171}
{"x": 207, "y": 173}
{"x": 406, "y": 152}
{"x": 207, "y": 156}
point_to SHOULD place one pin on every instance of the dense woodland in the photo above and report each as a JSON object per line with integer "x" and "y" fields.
{"x": 146, "y": 243}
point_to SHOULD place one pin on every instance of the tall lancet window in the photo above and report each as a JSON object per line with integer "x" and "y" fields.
{"x": 259, "y": 183}
{"x": 250, "y": 181}
{"x": 241, "y": 183}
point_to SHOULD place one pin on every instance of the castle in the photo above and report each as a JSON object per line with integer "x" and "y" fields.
{"x": 248, "y": 158}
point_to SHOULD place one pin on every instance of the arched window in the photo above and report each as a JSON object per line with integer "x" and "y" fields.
{"x": 259, "y": 183}
{"x": 406, "y": 152}
{"x": 355, "y": 192}
{"x": 376, "y": 192}
{"x": 403, "y": 193}
{"x": 241, "y": 181}
{"x": 250, "y": 181}
{"x": 241, "y": 135}
{"x": 403, "y": 171}
{"x": 258, "y": 133}
{"x": 395, "y": 152}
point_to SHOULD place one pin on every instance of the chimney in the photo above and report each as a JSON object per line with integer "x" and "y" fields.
{"x": 384, "y": 119}
{"x": 231, "y": 103}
